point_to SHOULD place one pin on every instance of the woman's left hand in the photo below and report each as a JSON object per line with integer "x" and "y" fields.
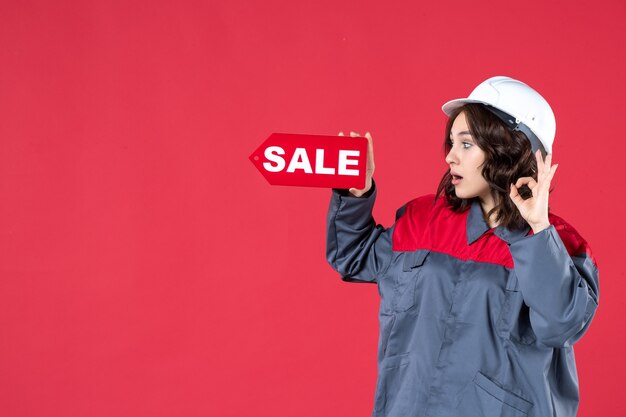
{"x": 535, "y": 209}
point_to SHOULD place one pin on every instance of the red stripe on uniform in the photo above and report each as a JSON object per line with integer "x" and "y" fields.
{"x": 436, "y": 227}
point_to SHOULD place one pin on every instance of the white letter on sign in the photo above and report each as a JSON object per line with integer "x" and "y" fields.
{"x": 344, "y": 161}
{"x": 271, "y": 154}
{"x": 319, "y": 163}
{"x": 300, "y": 160}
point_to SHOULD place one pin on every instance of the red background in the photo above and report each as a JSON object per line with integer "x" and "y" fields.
{"x": 148, "y": 269}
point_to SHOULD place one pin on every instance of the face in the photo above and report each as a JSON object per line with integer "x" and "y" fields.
{"x": 465, "y": 160}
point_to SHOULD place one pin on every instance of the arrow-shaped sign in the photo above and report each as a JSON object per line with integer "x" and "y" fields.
{"x": 312, "y": 160}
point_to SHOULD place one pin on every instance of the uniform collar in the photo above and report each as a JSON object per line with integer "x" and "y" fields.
{"x": 477, "y": 226}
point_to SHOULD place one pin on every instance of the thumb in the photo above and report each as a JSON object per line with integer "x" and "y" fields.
{"x": 515, "y": 196}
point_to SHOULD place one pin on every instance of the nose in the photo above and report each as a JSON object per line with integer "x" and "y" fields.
{"x": 452, "y": 156}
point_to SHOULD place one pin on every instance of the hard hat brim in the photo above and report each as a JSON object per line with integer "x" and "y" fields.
{"x": 452, "y": 105}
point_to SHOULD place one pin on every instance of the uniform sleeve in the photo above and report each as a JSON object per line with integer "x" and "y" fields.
{"x": 356, "y": 246}
{"x": 561, "y": 290}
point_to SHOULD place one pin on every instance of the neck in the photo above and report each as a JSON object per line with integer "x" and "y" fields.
{"x": 487, "y": 203}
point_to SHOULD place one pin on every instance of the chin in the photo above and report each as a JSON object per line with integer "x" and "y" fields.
{"x": 463, "y": 195}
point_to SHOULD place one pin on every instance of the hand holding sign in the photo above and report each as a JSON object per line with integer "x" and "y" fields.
{"x": 314, "y": 161}
{"x": 369, "y": 170}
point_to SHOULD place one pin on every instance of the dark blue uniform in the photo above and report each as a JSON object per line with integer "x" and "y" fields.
{"x": 474, "y": 322}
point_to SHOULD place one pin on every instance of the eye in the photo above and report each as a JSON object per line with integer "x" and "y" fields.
{"x": 467, "y": 145}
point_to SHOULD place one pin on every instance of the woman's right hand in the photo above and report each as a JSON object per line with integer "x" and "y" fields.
{"x": 369, "y": 170}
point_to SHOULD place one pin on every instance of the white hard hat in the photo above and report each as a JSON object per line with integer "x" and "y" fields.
{"x": 518, "y": 105}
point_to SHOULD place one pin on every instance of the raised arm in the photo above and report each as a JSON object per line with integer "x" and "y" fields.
{"x": 356, "y": 246}
{"x": 556, "y": 272}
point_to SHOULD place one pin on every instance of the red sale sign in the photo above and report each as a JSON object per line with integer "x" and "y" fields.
{"x": 312, "y": 160}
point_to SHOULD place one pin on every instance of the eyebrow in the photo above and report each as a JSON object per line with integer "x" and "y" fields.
{"x": 465, "y": 132}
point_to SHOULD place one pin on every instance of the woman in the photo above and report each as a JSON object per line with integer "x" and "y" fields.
{"x": 483, "y": 290}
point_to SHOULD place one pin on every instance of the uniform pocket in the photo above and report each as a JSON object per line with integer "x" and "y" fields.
{"x": 386, "y": 326}
{"x": 495, "y": 401}
{"x": 505, "y": 317}
{"x": 514, "y": 320}
{"x": 405, "y": 296}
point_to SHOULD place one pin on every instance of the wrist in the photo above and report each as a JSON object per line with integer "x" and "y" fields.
{"x": 538, "y": 227}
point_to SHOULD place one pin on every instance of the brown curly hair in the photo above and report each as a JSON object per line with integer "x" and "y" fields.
{"x": 508, "y": 156}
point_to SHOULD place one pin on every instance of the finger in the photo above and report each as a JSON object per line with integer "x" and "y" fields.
{"x": 552, "y": 171}
{"x": 548, "y": 164}
{"x": 355, "y": 192}
{"x": 340, "y": 134}
{"x": 354, "y": 134}
{"x": 370, "y": 149}
{"x": 514, "y": 194}
{"x": 539, "y": 163}
{"x": 530, "y": 181}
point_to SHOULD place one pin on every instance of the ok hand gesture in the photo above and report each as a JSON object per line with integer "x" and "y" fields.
{"x": 535, "y": 209}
